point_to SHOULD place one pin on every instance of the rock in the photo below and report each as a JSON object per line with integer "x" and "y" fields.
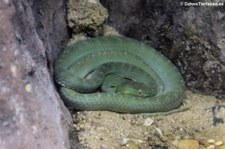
{"x": 218, "y": 143}
{"x": 188, "y": 144}
{"x": 148, "y": 122}
{"x": 31, "y": 112}
{"x": 132, "y": 145}
{"x": 191, "y": 37}
{"x": 211, "y": 141}
{"x": 86, "y": 16}
{"x": 211, "y": 147}
{"x": 221, "y": 147}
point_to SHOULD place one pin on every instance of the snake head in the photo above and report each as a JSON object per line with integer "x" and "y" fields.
{"x": 136, "y": 89}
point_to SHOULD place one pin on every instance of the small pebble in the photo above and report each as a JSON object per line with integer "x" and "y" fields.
{"x": 132, "y": 145}
{"x": 81, "y": 126}
{"x": 92, "y": 1}
{"x": 124, "y": 141}
{"x": 218, "y": 143}
{"x": 211, "y": 141}
{"x": 211, "y": 147}
{"x": 188, "y": 144}
{"x": 28, "y": 87}
{"x": 221, "y": 147}
{"x": 148, "y": 122}
{"x": 13, "y": 70}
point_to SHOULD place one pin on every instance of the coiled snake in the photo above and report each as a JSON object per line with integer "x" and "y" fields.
{"x": 139, "y": 79}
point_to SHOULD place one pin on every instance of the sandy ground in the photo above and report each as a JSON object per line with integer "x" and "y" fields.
{"x": 109, "y": 130}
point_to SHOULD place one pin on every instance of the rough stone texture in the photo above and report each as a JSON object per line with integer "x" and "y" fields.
{"x": 31, "y": 113}
{"x": 86, "y": 16}
{"x": 192, "y": 37}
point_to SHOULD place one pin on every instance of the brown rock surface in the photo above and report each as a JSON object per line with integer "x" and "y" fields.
{"x": 86, "y": 16}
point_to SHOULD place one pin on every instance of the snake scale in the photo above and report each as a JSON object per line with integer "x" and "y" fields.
{"x": 83, "y": 66}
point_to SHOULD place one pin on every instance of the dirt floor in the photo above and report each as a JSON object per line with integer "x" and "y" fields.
{"x": 190, "y": 129}
{"x": 109, "y": 130}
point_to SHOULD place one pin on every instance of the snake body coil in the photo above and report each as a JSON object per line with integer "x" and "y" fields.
{"x": 83, "y": 66}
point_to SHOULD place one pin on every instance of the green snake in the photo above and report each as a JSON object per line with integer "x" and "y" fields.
{"x": 83, "y": 67}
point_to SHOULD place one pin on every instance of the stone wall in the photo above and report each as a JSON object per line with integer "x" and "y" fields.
{"x": 31, "y": 112}
{"x": 191, "y": 36}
